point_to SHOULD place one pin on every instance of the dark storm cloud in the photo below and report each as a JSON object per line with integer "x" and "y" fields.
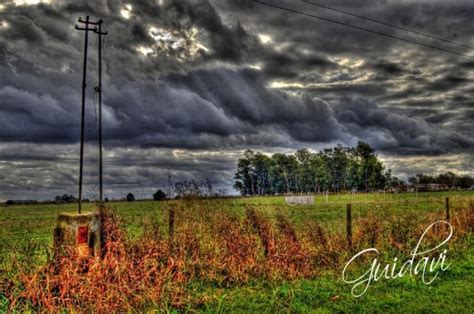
{"x": 188, "y": 111}
{"x": 140, "y": 171}
{"x": 186, "y": 79}
{"x": 242, "y": 95}
{"x": 397, "y": 133}
{"x": 23, "y": 28}
{"x": 448, "y": 83}
{"x": 439, "y": 118}
{"x": 388, "y": 68}
{"x": 292, "y": 63}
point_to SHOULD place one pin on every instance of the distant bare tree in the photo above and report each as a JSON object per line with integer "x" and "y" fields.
{"x": 208, "y": 184}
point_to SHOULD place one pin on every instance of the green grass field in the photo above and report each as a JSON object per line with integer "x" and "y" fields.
{"x": 26, "y": 229}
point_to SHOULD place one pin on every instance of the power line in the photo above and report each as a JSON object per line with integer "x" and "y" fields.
{"x": 389, "y": 24}
{"x": 365, "y": 29}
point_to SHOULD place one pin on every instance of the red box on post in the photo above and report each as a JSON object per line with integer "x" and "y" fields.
{"x": 82, "y": 233}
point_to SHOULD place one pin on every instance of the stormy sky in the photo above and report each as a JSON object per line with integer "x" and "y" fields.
{"x": 189, "y": 85}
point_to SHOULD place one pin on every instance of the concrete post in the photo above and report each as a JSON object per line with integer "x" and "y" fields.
{"x": 81, "y": 231}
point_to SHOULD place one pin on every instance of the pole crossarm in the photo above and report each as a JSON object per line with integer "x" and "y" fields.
{"x": 86, "y": 21}
{"x": 98, "y": 30}
{"x": 85, "y": 28}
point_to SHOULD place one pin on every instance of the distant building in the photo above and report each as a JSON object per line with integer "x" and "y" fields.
{"x": 399, "y": 188}
{"x": 431, "y": 187}
{"x": 411, "y": 188}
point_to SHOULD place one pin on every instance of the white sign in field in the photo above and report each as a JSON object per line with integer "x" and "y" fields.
{"x": 300, "y": 200}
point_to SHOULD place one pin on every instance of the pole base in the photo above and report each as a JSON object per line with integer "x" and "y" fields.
{"x": 80, "y": 231}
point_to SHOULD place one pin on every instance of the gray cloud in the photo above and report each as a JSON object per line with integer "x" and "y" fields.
{"x": 398, "y": 133}
{"x": 201, "y": 77}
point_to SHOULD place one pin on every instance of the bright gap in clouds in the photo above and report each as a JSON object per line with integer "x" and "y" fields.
{"x": 145, "y": 50}
{"x": 182, "y": 45}
{"x": 265, "y": 39}
{"x": 127, "y": 11}
{"x": 347, "y": 62}
{"x": 30, "y": 2}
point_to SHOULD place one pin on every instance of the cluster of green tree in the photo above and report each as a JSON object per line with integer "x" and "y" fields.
{"x": 336, "y": 169}
{"x": 159, "y": 195}
{"x": 65, "y": 198}
{"x": 449, "y": 179}
{"x": 130, "y": 197}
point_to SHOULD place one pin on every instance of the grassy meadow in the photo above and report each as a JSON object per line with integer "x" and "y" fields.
{"x": 244, "y": 255}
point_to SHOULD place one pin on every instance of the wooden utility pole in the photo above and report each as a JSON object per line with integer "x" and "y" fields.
{"x": 86, "y": 29}
{"x": 99, "y": 91}
{"x": 447, "y": 208}
{"x": 349, "y": 226}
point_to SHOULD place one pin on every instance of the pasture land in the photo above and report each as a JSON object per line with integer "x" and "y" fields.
{"x": 295, "y": 254}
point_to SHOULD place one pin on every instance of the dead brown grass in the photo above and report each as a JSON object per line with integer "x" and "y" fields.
{"x": 207, "y": 246}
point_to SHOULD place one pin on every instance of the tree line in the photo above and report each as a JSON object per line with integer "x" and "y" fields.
{"x": 334, "y": 169}
{"x": 448, "y": 179}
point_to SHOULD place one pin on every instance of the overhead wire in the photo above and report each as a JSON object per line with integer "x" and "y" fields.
{"x": 388, "y": 24}
{"x": 364, "y": 29}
